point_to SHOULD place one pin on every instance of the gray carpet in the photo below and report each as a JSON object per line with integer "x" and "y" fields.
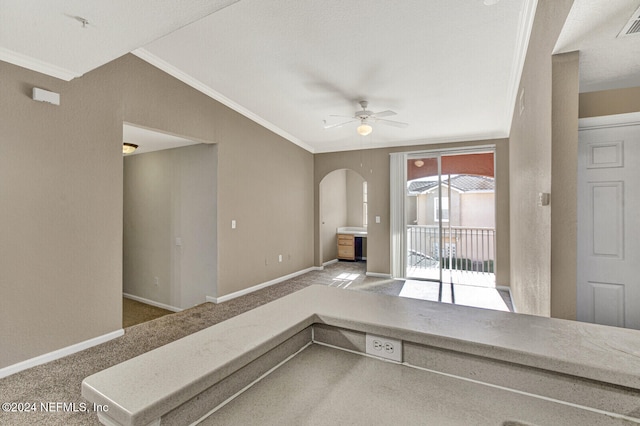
{"x": 60, "y": 381}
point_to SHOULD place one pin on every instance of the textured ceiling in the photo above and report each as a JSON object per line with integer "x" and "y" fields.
{"x": 49, "y": 36}
{"x": 606, "y": 60}
{"x": 448, "y": 68}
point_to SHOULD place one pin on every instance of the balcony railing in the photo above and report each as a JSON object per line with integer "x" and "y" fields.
{"x": 459, "y": 248}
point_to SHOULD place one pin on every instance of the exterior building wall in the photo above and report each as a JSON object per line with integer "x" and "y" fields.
{"x": 478, "y": 210}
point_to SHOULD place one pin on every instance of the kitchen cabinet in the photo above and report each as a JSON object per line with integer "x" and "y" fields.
{"x": 346, "y": 247}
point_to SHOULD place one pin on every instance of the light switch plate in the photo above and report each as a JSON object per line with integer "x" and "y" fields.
{"x": 544, "y": 198}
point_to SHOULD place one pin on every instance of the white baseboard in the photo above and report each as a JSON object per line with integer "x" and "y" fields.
{"x": 60, "y": 353}
{"x": 151, "y": 302}
{"x": 239, "y": 293}
{"x": 330, "y": 262}
{"x": 378, "y": 275}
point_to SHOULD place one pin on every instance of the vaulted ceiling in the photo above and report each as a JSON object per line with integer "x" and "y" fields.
{"x": 449, "y": 69}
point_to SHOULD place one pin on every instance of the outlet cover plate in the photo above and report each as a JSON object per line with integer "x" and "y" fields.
{"x": 384, "y": 347}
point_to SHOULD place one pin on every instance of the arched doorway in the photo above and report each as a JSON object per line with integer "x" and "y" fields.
{"x": 342, "y": 204}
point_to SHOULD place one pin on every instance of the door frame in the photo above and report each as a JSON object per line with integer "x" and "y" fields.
{"x": 605, "y": 121}
{"x": 437, "y": 155}
{"x": 397, "y": 199}
{"x": 585, "y": 124}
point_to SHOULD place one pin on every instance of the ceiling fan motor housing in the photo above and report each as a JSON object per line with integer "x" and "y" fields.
{"x": 363, "y": 115}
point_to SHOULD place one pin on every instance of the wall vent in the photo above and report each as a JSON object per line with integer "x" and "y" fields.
{"x": 632, "y": 26}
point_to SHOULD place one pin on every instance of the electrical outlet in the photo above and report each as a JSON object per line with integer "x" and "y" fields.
{"x": 279, "y": 258}
{"x": 383, "y": 347}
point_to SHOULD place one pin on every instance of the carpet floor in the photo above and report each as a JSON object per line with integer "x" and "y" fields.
{"x": 59, "y": 382}
{"x": 134, "y": 312}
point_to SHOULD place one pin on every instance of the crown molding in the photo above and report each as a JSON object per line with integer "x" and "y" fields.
{"x": 201, "y": 87}
{"x": 474, "y": 137}
{"x": 522, "y": 44}
{"x": 37, "y": 65}
{"x": 605, "y": 121}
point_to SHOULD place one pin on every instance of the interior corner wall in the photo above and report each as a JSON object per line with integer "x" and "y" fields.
{"x": 61, "y": 197}
{"x": 373, "y": 166}
{"x": 530, "y": 151}
{"x": 170, "y": 234}
{"x": 564, "y": 185}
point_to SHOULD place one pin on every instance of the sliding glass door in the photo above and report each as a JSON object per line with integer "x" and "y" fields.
{"x": 426, "y": 211}
{"x": 447, "y": 216}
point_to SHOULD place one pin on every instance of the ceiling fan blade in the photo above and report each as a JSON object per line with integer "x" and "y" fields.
{"x": 386, "y": 113}
{"x": 391, "y": 122}
{"x": 342, "y": 116}
{"x": 331, "y": 126}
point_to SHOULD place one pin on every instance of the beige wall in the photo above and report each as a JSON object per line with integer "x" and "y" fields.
{"x": 354, "y": 199}
{"x": 530, "y": 166}
{"x": 62, "y": 198}
{"x": 278, "y": 173}
{"x": 609, "y": 102}
{"x": 60, "y": 214}
{"x": 564, "y": 185}
{"x": 373, "y": 165}
{"x": 168, "y": 195}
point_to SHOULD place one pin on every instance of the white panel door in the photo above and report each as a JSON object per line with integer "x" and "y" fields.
{"x": 609, "y": 226}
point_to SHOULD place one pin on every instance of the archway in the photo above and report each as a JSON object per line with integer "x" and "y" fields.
{"x": 342, "y": 204}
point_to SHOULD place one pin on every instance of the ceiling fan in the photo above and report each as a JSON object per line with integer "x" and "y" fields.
{"x": 365, "y": 118}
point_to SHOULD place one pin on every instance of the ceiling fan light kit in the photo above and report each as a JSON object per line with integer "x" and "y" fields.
{"x": 365, "y": 117}
{"x": 364, "y": 129}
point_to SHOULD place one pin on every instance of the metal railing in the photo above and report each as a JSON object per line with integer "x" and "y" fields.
{"x": 459, "y": 248}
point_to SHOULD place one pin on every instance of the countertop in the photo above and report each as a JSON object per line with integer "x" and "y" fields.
{"x": 141, "y": 389}
{"x": 352, "y": 230}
